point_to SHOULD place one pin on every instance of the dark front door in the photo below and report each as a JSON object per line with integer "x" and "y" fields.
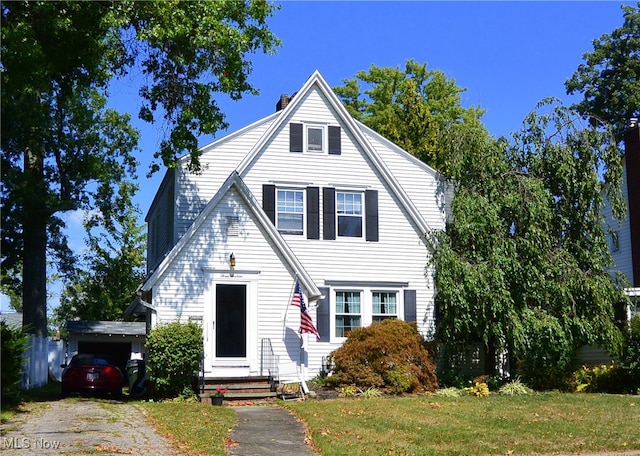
{"x": 231, "y": 321}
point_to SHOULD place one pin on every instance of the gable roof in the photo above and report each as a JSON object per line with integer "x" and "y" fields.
{"x": 270, "y": 232}
{"x": 316, "y": 80}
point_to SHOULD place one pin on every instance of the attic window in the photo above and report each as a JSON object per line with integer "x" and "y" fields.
{"x": 233, "y": 226}
{"x": 315, "y": 139}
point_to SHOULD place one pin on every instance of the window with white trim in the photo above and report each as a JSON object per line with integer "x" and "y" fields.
{"x": 290, "y": 211}
{"x": 348, "y": 314}
{"x": 384, "y": 306}
{"x": 349, "y": 212}
{"x": 315, "y": 138}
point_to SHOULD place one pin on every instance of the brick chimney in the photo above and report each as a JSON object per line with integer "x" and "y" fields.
{"x": 632, "y": 160}
{"x": 283, "y": 102}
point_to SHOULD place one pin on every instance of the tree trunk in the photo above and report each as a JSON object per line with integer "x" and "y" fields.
{"x": 34, "y": 261}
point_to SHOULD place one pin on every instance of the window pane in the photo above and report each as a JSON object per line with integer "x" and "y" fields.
{"x": 348, "y": 302}
{"x": 349, "y": 203}
{"x": 314, "y": 139}
{"x": 349, "y": 209}
{"x": 349, "y": 226}
{"x": 345, "y": 324}
{"x": 384, "y": 303}
{"x": 290, "y": 210}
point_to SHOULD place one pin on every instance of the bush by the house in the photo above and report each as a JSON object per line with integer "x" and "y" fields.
{"x": 630, "y": 359}
{"x": 391, "y": 354}
{"x": 173, "y": 357}
{"x": 14, "y": 344}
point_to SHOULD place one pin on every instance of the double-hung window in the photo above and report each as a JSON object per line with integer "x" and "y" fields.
{"x": 290, "y": 211}
{"x": 384, "y": 305}
{"x": 349, "y": 210}
{"x": 348, "y": 312}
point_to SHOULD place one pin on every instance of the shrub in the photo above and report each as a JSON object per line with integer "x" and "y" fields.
{"x": 389, "y": 354}
{"x": 14, "y": 344}
{"x": 173, "y": 354}
{"x": 451, "y": 391}
{"x": 478, "y": 389}
{"x": 514, "y": 388}
{"x": 630, "y": 359}
{"x": 606, "y": 378}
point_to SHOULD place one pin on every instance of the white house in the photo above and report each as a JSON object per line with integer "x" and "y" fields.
{"x": 305, "y": 194}
{"x": 625, "y": 236}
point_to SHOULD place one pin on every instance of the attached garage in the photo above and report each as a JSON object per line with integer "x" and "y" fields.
{"x": 121, "y": 340}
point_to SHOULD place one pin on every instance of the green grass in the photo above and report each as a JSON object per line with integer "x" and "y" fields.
{"x": 194, "y": 427}
{"x": 430, "y": 425}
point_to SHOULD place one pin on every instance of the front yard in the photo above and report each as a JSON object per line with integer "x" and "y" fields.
{"x": 540, "y": 423}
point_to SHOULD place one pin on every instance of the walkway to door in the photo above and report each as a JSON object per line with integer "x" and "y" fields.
{"x": 268, "y": 431}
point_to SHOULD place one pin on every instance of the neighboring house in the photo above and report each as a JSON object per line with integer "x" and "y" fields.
{"x": 305, "y": 194}
{"x": 625, "y": 236}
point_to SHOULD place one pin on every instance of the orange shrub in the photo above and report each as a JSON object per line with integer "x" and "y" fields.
{"x": 391, "y": 355}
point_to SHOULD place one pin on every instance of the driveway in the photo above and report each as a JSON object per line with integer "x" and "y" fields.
{"x": 82, "y": 427}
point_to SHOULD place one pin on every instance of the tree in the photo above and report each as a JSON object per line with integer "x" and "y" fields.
{"x": 63, "y": 150}
{"x": 521, "y": 268}
{"x": 113, "y": 269}
{"x": 609, "y": 78}
{"x": 410, "y": 107}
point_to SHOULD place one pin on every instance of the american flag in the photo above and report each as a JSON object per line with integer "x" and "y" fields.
{"x": 306, "y": 324}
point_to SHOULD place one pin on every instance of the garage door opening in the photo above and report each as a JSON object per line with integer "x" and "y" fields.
{"x": 119, "y": 352}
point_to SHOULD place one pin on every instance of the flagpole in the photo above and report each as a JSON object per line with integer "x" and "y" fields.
{"x": 286, "y": 311}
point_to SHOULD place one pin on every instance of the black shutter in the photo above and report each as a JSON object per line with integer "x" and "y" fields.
{"x": 329, "y": 213}
{"x": 269, "y": 201}
{"x": 295, "y": 137}
{"x": 334, "y": 141}
{"x": 371, "y": 213}
{"x": 313, "y": 213}
{"x": 323, "y": 313}
{"x": 410, "y": 311}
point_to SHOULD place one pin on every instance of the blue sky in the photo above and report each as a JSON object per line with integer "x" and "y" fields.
{"x": 508, "y": 55}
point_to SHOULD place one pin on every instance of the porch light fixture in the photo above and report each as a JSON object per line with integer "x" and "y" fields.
{"x": 232, "y": 261}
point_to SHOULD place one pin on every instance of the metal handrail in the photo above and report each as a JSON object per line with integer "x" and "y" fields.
{"x": 269, "y": 361}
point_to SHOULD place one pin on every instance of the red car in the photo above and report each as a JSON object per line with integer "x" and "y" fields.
{"x": 91, "y": 373}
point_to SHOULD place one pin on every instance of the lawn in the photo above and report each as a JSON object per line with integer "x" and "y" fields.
{"x": 542, "y": 423}
{"x": 430, "y": 425}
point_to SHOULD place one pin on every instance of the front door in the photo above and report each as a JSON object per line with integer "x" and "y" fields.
{"x": 230, "y": 324}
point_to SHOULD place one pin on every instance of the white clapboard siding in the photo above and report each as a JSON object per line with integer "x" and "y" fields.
{"x": 622, "y": 260}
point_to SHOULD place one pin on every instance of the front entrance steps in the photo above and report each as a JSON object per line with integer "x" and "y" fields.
{"x": 238, "y": 388}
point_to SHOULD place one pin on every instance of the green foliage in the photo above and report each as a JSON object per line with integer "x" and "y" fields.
{"x": 389, "y": 354}
{"x": 478, "y": 389}
{"x": 173, "y": 358}
{"x": 609, "y": 78}
{"x": 606, "y": 378}
{"x": 14, "y": 344}
{"x": 112, "y": 270}
{"x": 64, "y": 150}
{"x": 399, "y": 380}
{"x": 370, "y": 393}
{"x": 451, "y": 391}
{"x": 630, "y": 357}
{"x": 409, "y": 107}
{"x": 522, "y": 265}
{"x": 347, "y": 391}
{"x": 514, "y": 388}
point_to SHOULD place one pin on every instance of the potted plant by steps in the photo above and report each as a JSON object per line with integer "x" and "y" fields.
{"x": 218, "y": 396}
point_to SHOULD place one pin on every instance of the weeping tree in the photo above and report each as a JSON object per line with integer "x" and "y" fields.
{"x": 521, "y": 267}
{"x": 64, "y": 150}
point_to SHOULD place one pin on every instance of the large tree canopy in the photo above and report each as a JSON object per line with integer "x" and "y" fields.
{"x": 609, "y": 78}
{"x": 411, "y": 107}
{"x": 521, "y": 268}
{"x": 63, "y": 150}
{"x": 112, "y": 268}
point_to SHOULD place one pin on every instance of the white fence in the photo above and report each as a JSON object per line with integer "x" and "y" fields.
{"x": 41, "y": 354}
